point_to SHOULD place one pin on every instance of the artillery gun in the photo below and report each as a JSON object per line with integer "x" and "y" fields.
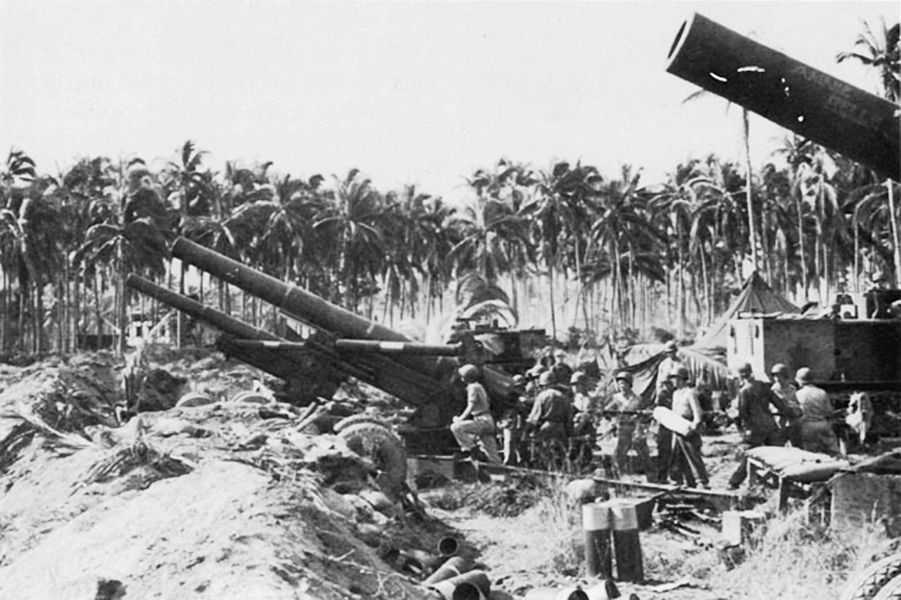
{"x": 861, "y": 349}
{"x": 344, "y": 345}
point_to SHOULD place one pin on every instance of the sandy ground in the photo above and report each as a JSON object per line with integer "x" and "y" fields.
{"x": 231, "y": 500}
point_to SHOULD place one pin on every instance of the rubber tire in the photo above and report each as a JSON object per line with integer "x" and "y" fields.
{"x": 866, "y": 584}
{"x": 890, "y": 591}
{"x": 347, "y": 421}
{"x": 376, "y": 442}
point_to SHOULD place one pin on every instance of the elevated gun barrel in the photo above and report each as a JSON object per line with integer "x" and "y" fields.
{"x": 399, "y": 347}
{"x": 296, "y": 301}
{"x": 270, "y": 361}
{"x": 198, "y": 310}
{"x": 424, "y": 375}
{"x": 809, "y": 102}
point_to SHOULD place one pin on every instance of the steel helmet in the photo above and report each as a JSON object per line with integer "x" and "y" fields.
{"x": 744, "y": 369}
{"x": 547, "y": 379}
{"x": 779, "y": 369}
{"x": 804, "y": 375}
{"x": 469, "y": 373}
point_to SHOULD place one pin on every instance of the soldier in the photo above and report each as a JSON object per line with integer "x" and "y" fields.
{"x": 475, "y": 425}
{"x": 630, "y": 433}
{"x": 783, "y": 388}
{"x": 561, "y": 368}
{"x": 687, "y": 448}
{"x": 670, "y": 362}
{"x": 583, "y": 400}
{"x": 511, "y": 421}
{"x": 817, "y": 412}
{"x": 755, "y": 418}
{"x": 551, "y": 415}
{"x": 664, "y": 437}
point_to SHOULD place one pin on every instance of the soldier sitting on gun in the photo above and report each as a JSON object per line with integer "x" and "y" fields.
{"x": 475, "y": 425}
{"x": 630, "y": 432}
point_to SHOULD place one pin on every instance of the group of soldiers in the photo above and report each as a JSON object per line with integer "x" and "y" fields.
{"x": 555, "y": 407}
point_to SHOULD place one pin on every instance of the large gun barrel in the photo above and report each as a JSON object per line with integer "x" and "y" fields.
{"x": 284, "y": 358}
{"x": 272, "y": 362}
{"x": 421, "y": 373}
{"x": 813, "y": 104}
{"x": 295, "y": 301}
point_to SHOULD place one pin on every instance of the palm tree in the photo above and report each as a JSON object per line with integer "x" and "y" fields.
{"x": 560, "y": 207}
{"x": 188, "y": 190}
{"x": 351, "y": 230}
{"x": 881, "y": 50}
{"x": 134, "y": 239}
{"x": 630, "y": 242}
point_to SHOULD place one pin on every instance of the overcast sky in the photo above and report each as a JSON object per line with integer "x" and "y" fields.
{"x": 415, "y": 92}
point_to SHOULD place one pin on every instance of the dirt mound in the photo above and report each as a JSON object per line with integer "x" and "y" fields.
{"x": 225, "y": 500}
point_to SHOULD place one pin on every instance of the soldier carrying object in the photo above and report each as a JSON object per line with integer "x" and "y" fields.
{"x": 687, "y": 448}
{"x": 664, "y": 439}
{"x": 755, "y": 419}
{"x": 475, "y": 425}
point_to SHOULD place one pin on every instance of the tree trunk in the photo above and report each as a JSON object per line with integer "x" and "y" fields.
{"x": 801, "y": 247}
{"x": 752, "y": 231}
{"x": 896, "y": 236}
{"x": 551, "y": 300}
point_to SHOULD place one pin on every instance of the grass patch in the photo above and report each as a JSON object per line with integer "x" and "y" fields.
{"x": 793, "y": 559}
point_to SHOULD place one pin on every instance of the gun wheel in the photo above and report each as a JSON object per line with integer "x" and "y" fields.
{"x": 373, "y": 440}
{"x": 870, "y": 582}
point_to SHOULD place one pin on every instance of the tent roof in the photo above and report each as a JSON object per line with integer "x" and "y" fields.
{"x": 755, "y": 297}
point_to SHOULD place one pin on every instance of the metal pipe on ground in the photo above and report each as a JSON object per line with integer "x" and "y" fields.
{"x": 548, "y": 593}
{"x": 603, "y": 591}
{"x": 453, "y": 567}
{"x": 626, "y": 542}
{"x": 596, "y": 525}
{"x": 448, "y": 546}
{"x": 472, "y": 585}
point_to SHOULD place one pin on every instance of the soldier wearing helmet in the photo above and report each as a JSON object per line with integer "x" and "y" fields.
{"x": 475, "y": 425}
{"x": 755, "y": 418}
{"x": 562, "y": 371}
{"x": 785, "y": 390}
{"x": 630, "y": 433}
{"x": 511, "y": 421}
{"x": 687, "y": 462}
{"x": 551, "y": 415}
{"x": 583, "y": 400}
{"x": 817, "y": 411}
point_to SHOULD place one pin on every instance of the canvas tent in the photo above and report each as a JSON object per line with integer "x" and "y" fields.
{"x": 755, "y": 297}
